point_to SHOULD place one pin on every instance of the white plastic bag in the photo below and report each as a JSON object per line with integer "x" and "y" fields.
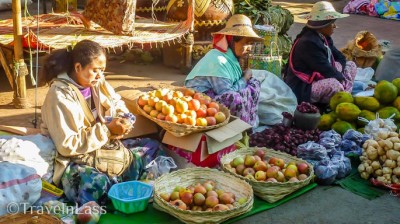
{"x": 364, "y": 74}
{"x": 378, "y": 125}
{"x": 160, "y": 166}
{"x": 20, "y": 187}
{"x": 275, "y": 97}
{"x": 36, "y": 151}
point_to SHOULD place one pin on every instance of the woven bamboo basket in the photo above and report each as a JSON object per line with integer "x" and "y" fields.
{"x": 189, "y": 176}
{"x": 180, "y": 130}
{"x": 30, "y": 218}
{"x": 269, "y": 191}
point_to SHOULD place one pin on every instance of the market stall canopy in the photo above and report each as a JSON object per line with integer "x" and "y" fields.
{"x": 57, "y": 31}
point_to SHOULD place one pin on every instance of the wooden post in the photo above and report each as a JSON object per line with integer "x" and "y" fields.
{"x": 19, "y": 68}
{"x": 189, "y": 39}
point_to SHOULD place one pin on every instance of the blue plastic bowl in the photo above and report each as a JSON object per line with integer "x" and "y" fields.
{"x": 130, "y": 197}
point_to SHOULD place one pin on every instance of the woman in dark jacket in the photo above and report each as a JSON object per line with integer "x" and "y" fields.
{"x": 317, "y": 69}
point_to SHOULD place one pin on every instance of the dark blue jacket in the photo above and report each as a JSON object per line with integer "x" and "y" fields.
{"x": 310, "y": 55}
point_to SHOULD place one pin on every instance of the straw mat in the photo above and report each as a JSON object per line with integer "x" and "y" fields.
{"x": 57, "y": 31}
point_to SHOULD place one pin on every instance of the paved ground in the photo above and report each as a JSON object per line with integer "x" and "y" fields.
{"x": 321, "y": 205}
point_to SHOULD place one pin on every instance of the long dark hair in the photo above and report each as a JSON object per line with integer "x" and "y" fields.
{"x": 63, "y": 60}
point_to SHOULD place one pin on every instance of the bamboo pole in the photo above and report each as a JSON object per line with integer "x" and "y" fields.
{"x": 20, "y": 69}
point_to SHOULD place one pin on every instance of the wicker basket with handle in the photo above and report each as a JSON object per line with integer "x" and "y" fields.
{"x": 268, "y": 191}
{"x": 191, "y": 176}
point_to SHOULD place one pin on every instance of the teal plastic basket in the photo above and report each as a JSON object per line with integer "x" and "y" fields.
{"x": 130, "y": 197}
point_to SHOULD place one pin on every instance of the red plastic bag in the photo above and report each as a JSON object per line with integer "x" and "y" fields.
{"x": 394, "y": 188}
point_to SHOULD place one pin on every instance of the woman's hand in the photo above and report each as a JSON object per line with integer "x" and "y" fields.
{"x": 247, "y": 74}
{"x": 119, "y": 127}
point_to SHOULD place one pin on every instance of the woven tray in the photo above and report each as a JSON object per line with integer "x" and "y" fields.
{"x": 29, "y": 218}
{"x": 269, "y": 191}
{"x": 180, "y": 130}
{"x": 189, "y": 176}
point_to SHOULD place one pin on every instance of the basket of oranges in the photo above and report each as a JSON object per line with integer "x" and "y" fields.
{"x": 182, "y": 111}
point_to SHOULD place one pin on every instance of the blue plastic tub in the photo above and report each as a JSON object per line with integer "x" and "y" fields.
{"x": 130, "y": 197}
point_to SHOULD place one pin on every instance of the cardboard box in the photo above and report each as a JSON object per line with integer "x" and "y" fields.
{"x": 204, "y": 147}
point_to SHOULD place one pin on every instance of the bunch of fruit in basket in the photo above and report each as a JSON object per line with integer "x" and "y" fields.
{"x": 183, "y": 107}
{"x": 258, "y": 167}
{"x": 202, "y": 197}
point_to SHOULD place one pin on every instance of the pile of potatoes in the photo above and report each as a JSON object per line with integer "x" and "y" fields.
{"x": 381, "y": 158}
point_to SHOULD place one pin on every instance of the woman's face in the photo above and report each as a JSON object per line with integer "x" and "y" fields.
{"x": 328, "y": 30}
{"x": 89, "y": 75}
{"x": 243, "y": 47}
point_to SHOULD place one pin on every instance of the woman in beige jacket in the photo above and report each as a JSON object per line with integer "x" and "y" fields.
{"x": 63, "y": 117}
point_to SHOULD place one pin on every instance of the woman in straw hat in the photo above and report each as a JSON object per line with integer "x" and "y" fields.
{"x": 218, "y": 73}
{"x": 317, "y": 69}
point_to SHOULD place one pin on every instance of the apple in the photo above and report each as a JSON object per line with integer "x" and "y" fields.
{"x": 167, "y": 97}
{"x": 201, "y": 121}
{"x": 189, "y": 92}
{"x": 153, "y": 100}
{"x": 186, "y": 98}
{"x": 191, "y": 113}
{"x": 240, "y": 168}
{"x": 187, "y": 197}
{"x": 197, "y": 208}
{"x": 272, "y": 172}
{"x": 257, "y": 158}
{"x": 248, "y": 171}
{"x": 181, "y": 118}
{"x": 200, "y": 189}
{"x": 161, "y": 116}
{"x": 189, "y": 120}
{"x": 211, "y": 121}
{"x": 220, "y": 207}
{"x": 289, "y": 173}
{"x": 260, "y": 165}
{"x": 198, "y": 96}
{"x": 168, "y": 109}
{"x": 220, "y": 117}
{"x": 214, "y": 105}
{"x": 226, "y": 198}
{"x": 303, "y": 168}
{"x": 302, "y": 176}
{"x": 165, "y": 196}
{"x": 201, "y": 112}
{"x": 260, "y": 153}
{"x": 181, "y": 106}
{"x": 237, "y": 161}
{"x": 211, "y": 111}
{"x": 208, "y": 186}
{"x": 160, "y": 104}
{"x": 154, "y": 113}
{"x": 271, "y": 179}
{"x": 174, "y": 196}
{"x": 194, "y": 104}
{"x": 148, "y": 108}
{"x": 211, "y": 201}
{"x": 179, "y": 204}
{"x": 277, "y": 162}
{"x": 177, "y": 94}
{"x": 260, "y": 175}
{"x": 280, "y": 177}
{"x": 293, "y": 179}
{"x": 171, "y": 118}
{"x": 249, "y": 161}
{"x": 294, "y": 167}
{"x": 205, "y": 100}
{"x": 212, "y": 193}
{"x": 143, "y": 100}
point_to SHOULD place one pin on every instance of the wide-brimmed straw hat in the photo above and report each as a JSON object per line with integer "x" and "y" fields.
{"x": 323, "y": 11}
{"x": 239, "y": 25}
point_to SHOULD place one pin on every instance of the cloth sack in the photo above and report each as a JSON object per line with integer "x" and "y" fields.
{"x": 35, "y": 151}
{"x": 19, "y": 185}
{"x": 117, "y": 16}
{"x": 275, "y": 97}
{"x": 364, "y": 49}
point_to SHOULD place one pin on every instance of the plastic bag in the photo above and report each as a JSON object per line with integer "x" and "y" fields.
{"x": 329, "y": 145}
{"x": 379, "y": 125}
{"x": 160, "y": 166}
{"x": 343, "y": 165}
{"x": 364, "y": 74}
{"x": 326, "y": 172}
{"x": 348, "y": 146}
{"x": 312, "y": 151}
{"x": 337, "y": 138}
{"x": 90, "y": 212}
{"x": 275, "y": 97}
{"x": 354, "y": 136}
